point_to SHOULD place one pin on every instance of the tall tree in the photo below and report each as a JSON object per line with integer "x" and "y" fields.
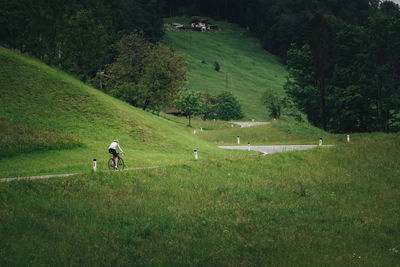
{"x": 384, "y": 41}
{"x": 190, "y": 103}
{"x": 86, "y": 43}
{"x": 146, "y": 75}
{"x": 320, "y": 39}
{"x": 352, "y": 83}
{"x": 300, "y": 85}
{"x": 273, "y": 102}
{"x": 164, "y": 76}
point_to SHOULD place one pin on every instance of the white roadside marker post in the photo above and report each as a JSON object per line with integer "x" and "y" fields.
{"x": 248, "y": 146}
{"x": 348, "y": 138}
{"x": 194, "y": 131}
{"x": 201, "y": 129}
{"x": 320, "y": 141}
{"x": 195, "y": 155}
{"x": 238, "y": 139}
{"x": 94, "y": 164}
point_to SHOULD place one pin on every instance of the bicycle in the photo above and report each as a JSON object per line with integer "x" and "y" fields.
{"x": 111, "y": 163}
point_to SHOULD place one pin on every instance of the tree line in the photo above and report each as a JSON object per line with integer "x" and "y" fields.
{"x": 342, "y": 56}
{"x": 277, "y": 23}
{"x": 76, "y": 35}
{"x": 349, "y": 80}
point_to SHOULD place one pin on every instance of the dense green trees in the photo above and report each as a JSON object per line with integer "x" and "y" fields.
{"x": 273, "y": 102}
{"x": 228, "y": 107}
{"x": 276, "y": 23}
{"x": 144, "y": 74}
{"x": 343, "y": 57}
{"x": 76, "y": 35}
{"x": 225, "y": 106}
{"x": 361, "y": 83}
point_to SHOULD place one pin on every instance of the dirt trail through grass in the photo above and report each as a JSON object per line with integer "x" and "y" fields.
{"x": 64, "y": 175}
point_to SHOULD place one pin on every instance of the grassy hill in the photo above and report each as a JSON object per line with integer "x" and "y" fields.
{"x": 246, "y": 68}
{"x": 66, "y": 124}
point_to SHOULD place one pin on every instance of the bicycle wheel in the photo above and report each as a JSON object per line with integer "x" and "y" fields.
{"x": 111, "y": 165}
{"x": 121, "y": 164}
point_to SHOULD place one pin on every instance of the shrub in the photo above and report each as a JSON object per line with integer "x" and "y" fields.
{"x": 216, "y": 66}
{"x": 229, "y": 107}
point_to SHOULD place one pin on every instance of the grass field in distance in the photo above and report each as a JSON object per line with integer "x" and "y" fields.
{"x": 246, "y": 68}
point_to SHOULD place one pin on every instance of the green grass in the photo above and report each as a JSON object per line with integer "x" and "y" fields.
{"x": 335, "y": 206}
{"x": 43, "y": 109}
{"x": 245, "y": 66}
{"x": 326, "y": 206}
{"x": 18, "y": 138}
{"x": 274, "y": 133}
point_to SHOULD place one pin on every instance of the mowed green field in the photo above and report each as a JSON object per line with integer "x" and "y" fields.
{"x": 246, "y": 68}
{"x": 326, "y": 206}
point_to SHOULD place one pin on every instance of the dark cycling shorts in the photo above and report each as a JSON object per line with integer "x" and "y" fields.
{"x": 113, "y": 151}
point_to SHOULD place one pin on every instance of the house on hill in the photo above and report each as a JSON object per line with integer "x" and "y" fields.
{"x": 202, "y": 24}
{"x": 197, "y": 24}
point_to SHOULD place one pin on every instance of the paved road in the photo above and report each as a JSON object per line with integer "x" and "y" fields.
{"x": 272, "y": 149}
{"x": 249, "y": 124}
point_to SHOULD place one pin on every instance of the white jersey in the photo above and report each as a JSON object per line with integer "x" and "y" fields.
{"x": 114, "y": 146}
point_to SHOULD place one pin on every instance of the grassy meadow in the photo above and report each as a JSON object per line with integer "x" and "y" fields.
{"x": 327, "y": 206}
{"x": 336, "y": 206}
{"x": 246, "y": 68}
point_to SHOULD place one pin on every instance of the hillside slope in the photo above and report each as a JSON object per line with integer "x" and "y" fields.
{"x": 45, "y": 110}
{"x": 246, "y": 69}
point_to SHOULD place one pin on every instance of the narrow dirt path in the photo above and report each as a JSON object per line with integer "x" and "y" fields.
{"x": 64, "y": 175}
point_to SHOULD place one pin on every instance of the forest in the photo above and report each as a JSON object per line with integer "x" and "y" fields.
{"x": 343, "y": 57}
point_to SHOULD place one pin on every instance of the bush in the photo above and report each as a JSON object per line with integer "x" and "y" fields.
{"x": 216, "y": 66}
{"x": 229, "y": 107}
{"x": 273, "y": 102}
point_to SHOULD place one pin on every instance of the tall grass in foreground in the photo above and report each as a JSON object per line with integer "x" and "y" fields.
{"x": 328, "y": 206}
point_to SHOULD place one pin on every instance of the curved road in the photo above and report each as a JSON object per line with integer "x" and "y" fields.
{"x": 272, "y": 149}
{"x": 249, "y": 124}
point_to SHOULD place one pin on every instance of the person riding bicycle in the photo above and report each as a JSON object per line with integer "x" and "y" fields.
{"x": 112, "y": 149}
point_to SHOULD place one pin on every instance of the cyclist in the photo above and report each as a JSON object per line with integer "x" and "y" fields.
{"x": 112, "y": 149}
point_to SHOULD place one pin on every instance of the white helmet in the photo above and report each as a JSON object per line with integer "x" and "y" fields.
{"x": 116, "y": 140}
